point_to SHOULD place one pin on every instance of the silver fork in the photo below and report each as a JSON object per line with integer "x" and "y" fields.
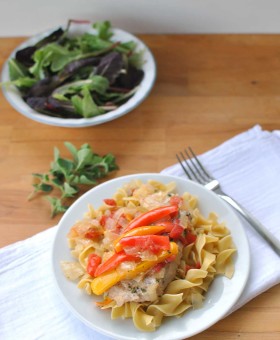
{"x": 195, "y": 171}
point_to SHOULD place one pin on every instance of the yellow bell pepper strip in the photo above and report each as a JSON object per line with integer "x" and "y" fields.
{"x": 151, "y": 216}
{"x": 114, "y": 261}
{"x": 102, "y": 283}
{"x": 140, "y": 231}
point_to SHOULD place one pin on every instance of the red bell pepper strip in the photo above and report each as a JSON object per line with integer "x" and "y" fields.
{"x": 114, "y": 261}
{"x": 157, "y": 268}
{"x": 154, "y": 243}
{"x": 151, "y": 216}
{"x": 160, "y": 265}
{"x": 110, "y": 201}
{"x": 197, "y": 266}
{"x": 176, "y": 231}
{"x": 190, "y": 238}
{"x": 176, "y": 200}
{"x": 140, "y": 231}
{"x": 93, "y": 262}
{"x": 93, "y": 234}
{"x": 172, "y": 227}
{"x": 168, "y": 225}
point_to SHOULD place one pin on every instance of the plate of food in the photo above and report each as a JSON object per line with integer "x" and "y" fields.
{"x": 80, "y": 74}
{"x": 150, "y": 256}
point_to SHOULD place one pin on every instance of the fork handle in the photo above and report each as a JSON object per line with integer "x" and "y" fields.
{"x": 268, "y": 236}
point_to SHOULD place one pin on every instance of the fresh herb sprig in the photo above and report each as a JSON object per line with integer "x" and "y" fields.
{"x": 70, "y": 175}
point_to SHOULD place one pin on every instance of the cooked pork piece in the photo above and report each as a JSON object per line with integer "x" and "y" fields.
{"x": 146, "y": 288}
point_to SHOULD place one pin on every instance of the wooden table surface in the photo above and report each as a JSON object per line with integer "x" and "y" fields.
{"x": 208, "y": 89}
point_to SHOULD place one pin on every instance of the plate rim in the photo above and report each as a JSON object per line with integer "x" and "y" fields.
{"x": 12, "y": 95}
{"x": 140, "y": 334}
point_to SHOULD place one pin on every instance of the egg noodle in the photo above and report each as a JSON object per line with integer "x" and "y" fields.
{"x": 193, "y": 253}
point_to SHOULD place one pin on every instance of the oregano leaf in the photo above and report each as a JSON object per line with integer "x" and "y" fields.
{"x": 67, "y": 175}
{"x": 72, "y": 149}
{"x": 68, "y": 190}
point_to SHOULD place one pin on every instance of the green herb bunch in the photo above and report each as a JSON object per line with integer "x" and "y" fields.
{"x": 70, "y": 175}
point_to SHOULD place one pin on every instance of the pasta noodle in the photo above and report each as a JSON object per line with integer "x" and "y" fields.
{"x": 146, "y": 281}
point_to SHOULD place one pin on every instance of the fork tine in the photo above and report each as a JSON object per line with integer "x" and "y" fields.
{"x": 188, "y": 168}
{"x": 182, "y": 164}
{"x": 192, "y": 167}
{"x": 195, "y": 172}
{"x": 208, "y": 176}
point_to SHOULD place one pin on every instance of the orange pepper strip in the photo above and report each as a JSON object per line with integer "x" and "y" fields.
{"x": 140, "y": 231}
{"x": 104, "y": 303}
{"x": 105, "y": 281}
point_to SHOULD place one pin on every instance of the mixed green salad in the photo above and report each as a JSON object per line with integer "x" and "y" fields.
{"x": 77, "y": 77}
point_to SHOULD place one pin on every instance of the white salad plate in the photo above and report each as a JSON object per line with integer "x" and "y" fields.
{"x": 219, "y": 300}
{"x": 13, "y": 95}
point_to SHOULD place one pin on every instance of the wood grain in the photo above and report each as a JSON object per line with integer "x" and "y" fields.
{"x": 209, "y": 88}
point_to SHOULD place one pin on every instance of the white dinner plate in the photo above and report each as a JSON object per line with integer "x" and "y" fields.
{"x": 14, "y": 97}
{"x": 220, "y": 298}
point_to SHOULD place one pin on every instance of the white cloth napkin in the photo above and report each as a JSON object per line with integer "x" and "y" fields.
{"x": 248, "y": 167}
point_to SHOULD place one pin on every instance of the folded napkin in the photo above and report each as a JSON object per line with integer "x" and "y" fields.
{"x": 248, "y": 167}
